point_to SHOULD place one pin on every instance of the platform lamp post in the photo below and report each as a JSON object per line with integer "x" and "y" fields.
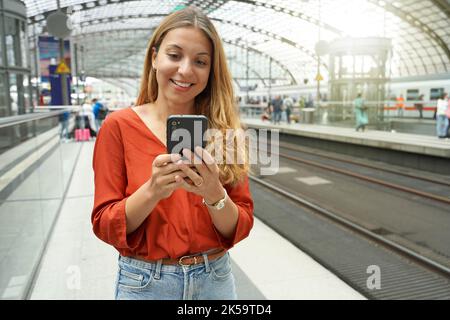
{"x": 82, "y": 73}
{"x": 270, "y": 79}
{"x": 36, "y": 65}
{"x": 321, "y": 48}
{"x": 77, "y": 76}
{"x": 318, "y": 76}
{"x": 59, "y": 25}
{"x": 246, "y": 70}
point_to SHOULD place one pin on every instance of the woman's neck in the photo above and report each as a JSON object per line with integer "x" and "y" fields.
{"x": 164, "y": 109}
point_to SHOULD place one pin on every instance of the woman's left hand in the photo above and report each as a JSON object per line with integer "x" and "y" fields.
{"x": 206, "y": 182}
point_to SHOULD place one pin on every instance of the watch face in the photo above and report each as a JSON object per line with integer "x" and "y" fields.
{"x": 220, "y": 205}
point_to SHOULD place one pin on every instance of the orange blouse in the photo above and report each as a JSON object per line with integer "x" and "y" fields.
{"x": 180, "y": 224}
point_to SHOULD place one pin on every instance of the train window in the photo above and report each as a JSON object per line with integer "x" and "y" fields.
{"x": 412, "y": 94}
{"x": 436, "y": 93}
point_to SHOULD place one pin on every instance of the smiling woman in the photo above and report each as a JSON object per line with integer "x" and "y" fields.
{"x": 183, "y": 66}
{"x": 172, "y": 223}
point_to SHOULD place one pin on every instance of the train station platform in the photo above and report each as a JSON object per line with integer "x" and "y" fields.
{"x": 409, "y": 150}
{"x": 77, "y": 265}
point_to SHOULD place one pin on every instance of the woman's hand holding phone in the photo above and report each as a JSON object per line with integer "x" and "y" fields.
{"x": 164, "y": 171}
{"x": 205, "y": 179}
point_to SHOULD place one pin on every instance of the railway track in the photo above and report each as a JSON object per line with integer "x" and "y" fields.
{"x": 443, "y": 198}
{"x": 366, "y": 165}
{"x": 435, "y": 205}
{"x": 420, "y": 277}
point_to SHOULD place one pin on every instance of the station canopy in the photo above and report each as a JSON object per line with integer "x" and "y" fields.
{"x": 112, "y": 35}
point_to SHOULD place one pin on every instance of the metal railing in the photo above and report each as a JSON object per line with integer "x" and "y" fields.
{"x": 338, "y": 113}
{"x": 33, "y": 182}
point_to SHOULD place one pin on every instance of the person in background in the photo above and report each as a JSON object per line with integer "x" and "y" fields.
{"x": 288, "y": 103}
{"x": 64, "y": 119}
{"x": 86, "y": 118}
{"x": 97, "y": 106}
{"x": 441, "y": 116}
{"x": 400, "y": 105}
{"x": 360, "y": 113}
{"x": 266, "y": 114}
{"x": 301, "y": 102}
{"x": 419, "y": 106}
{"x": 102, "y": 113}
{"x": 277, "y": 104}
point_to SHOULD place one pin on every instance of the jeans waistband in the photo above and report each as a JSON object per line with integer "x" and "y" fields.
{"x": 192, "y": 260}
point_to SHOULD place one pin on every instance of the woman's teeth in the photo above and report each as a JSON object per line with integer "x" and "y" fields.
{"x": 182, "y": 84}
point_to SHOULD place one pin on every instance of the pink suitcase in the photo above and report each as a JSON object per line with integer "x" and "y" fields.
{"x": 78, "y": 135}
{"x": 86, "y": 135}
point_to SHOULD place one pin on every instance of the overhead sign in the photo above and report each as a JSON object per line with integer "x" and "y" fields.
{"x": 322, "y": 48}
{"x": 62, "y": 68}
{"x": 56, "y": 86}
{"x": 58, "y": 25}
{"x": 49, "y": 50}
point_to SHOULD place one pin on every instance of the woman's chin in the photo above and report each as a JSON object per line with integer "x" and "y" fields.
{"x": 177, "y": 100}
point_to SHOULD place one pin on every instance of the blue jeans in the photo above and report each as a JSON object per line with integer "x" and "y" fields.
{"x": 441, "y": 125}
{"x": 64, "y": 129}
{"x": 277, "y": 116}
{"x": 140, "y": 280}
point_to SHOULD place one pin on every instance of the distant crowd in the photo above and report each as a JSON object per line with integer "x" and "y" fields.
{"x": 90, "y": 116}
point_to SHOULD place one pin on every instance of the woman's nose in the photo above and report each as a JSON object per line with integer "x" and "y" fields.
{"x": 185, "y": 68}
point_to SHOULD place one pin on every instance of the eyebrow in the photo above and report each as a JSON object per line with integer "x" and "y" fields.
{"x": 180, "y": 48}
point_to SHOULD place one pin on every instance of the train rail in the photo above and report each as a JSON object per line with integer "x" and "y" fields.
{"x": 441, "y": 198}
{"x": 366, "y": 165}
{"x": 429, "y": 279}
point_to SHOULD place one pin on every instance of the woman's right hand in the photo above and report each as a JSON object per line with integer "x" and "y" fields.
{"x": 164, "y": 170}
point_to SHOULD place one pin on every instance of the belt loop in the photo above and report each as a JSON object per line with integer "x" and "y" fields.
{"x": 158, "y": 269}
{"x": 206, "y": 261}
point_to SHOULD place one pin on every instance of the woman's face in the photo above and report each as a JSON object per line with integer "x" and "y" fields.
{"x": 183, "y": 63}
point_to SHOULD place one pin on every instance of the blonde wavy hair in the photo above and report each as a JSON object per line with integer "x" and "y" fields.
{"x": 216, "y": 101}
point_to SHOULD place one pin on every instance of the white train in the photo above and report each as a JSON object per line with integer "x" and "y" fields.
{"x": 411, "y": 89}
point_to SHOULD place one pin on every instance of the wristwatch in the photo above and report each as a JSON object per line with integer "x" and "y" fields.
{"x": 219, "y": 204}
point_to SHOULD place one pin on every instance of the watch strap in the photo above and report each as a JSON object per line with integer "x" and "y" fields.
{"x": 219, "y": 204}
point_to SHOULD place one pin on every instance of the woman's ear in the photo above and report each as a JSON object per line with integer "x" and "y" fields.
{"x": 154, "y": 53}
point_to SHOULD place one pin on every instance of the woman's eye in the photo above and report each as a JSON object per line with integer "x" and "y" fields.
{"x": 173, "y": 56}
{"x": 200, "y": 62}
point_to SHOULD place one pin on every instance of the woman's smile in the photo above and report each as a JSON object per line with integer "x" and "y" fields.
{"x": 181, "y": 86}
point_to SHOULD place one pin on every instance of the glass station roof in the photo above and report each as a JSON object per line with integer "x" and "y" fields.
{"x": 264, "y": 39}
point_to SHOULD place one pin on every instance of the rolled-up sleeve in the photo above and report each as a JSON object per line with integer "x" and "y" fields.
{"x": 108, "y": 215}
{"x": 240, "y": 195}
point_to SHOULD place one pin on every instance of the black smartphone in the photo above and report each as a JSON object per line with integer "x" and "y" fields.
{"x": 185, "y": 131}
